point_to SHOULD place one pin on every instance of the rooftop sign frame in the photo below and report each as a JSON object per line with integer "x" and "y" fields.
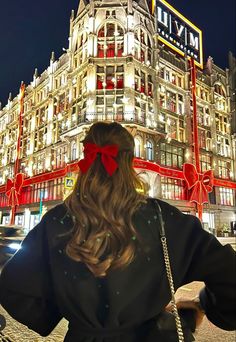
{"x": 178, "y": 33}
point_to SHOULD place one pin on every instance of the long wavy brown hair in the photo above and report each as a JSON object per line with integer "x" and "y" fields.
{"x": 103, "y": 235}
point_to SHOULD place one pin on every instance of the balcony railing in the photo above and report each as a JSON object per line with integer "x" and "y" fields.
{"x": 127, "y": 117}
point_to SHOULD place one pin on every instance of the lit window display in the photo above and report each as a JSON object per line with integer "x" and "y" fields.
{"x": 227, "y": 196}
{"x": 110, "y": 40}
{"x": 172, "y": 188}
{"x": 224, "y": 168}
{"x": 110, "y": 77}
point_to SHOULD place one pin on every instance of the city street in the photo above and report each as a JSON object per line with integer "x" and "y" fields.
{"x": 16, "y": 332}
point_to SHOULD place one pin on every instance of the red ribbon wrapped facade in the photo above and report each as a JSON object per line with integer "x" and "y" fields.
{"x": 200, "y": 184}
{"x": 13, "y": 189}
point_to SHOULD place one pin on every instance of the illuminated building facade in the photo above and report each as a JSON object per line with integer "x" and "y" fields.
{"x": 118, "y": 67}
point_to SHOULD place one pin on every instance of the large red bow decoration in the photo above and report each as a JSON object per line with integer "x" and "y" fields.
{"x": 108, "y": 152}
{"x": 13, "y": 189}
{"x": 200, "y": 184}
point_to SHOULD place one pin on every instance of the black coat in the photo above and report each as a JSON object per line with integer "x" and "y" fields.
{"x": 41, "y": 284}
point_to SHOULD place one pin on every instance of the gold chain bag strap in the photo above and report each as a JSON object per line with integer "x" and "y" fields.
{"x": 169, "y": 273}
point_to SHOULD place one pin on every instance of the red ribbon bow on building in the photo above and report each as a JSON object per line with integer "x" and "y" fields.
{"x": 13, "y": 189}
{"x": 200, "y": 184}
{"x": 108, "y": 152}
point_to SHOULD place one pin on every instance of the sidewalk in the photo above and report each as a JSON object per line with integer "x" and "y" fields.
{"x": 17, "y": 332}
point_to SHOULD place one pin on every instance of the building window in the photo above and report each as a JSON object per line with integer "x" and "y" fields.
{"x": 110, "y": 41}
{"x": 19, "y": 219}
{"x": 224, "y": 169}
{"x": 180, "y": 108}
{"x": 73, "y": 151}
{"x": 137, "y": 148}
{"x": 39, "y": 164}
{"x": 202, "y": 138}
{"x": 222, "y": 123}
{"x": 171, "y": 101}
{"x": 172, "y": 188}
{"x": 220, "y": 103}
{"x": 149, "y": 150}
{"x": 61, "y": 156}
{"x": 205, "y": 162}
{"x": 172, "y": 155}
{"x": 203, "y": 93}
{"x": 226, "y": 196}
{"x": 142, "y": 46}
{"x": 218, "y": 88}
{"x": 171, "y": 127}
{"x": 5, "y": 219}
{"x": 223, "y": 146}
{"x": 110, "y": 77}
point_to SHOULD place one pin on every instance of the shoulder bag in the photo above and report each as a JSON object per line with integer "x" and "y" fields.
{"x": 176, "y": 326}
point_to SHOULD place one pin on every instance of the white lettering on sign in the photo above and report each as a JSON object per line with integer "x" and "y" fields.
{"x": 162, "y": 16}
{"x": 179, "y": 29}
{"x": 193, "y": 41}
{"x": 176, "y": 27}
{"x": 178, "y": 33}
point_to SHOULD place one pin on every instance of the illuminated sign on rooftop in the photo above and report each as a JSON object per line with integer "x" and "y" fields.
{"x": 177, "y": 32}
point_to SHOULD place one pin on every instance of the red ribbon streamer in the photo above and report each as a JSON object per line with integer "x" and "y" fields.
{"x": 108, "y": 152}
{"x": 13, "y": 189}
{"x": 200, "y": 184}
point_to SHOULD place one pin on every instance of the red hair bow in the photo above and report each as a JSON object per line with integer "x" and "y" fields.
{"x": 200, "y": 184}
{"x": 13, "y": 189}
{"x": 108, "y": 152}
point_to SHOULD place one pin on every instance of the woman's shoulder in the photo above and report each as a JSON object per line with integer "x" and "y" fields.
{"x": 166, "y": 208}
{"x": 58, "y": 212}
{"x": 173, "y": 217}
{"x": 57, "y": 219}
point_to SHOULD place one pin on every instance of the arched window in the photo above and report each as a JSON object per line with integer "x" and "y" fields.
{"x": 110, "y": 40}
{"x": 137, "y": 148}
{"x": 73, "y": 151}
{"x": 149, "y": 150}
{"x": 142, "y": 50}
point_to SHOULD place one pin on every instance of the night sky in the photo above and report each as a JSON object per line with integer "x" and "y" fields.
{"x": 30, "y": 30}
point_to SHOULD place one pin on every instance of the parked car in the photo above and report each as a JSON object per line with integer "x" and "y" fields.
{"x": 11, "y": 237}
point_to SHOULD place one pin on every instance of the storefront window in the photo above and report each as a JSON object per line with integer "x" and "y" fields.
{"x": 19, "y": 219}
{"x": 34, "y": 219}
{"x": 5, "y": 219}
{"x": 227, "y": 196}
{"x": 172, "y": 188}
